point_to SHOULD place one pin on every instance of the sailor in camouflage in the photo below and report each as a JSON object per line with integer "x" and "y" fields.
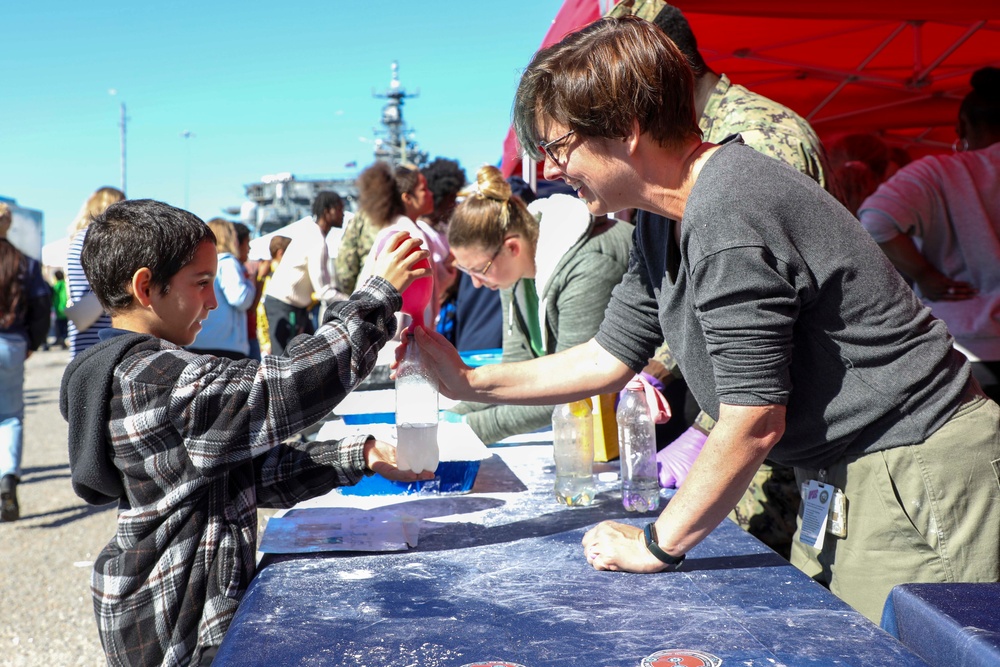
{"x": 769, "y": 507}
{"x": 355, "y": 244}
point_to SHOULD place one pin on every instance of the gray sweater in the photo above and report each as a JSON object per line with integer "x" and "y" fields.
{"x": 776, "y": 295}
{"x": 572, "y": 294}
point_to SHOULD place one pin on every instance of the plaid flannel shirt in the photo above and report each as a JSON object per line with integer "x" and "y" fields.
{"x": 198, "y": 443}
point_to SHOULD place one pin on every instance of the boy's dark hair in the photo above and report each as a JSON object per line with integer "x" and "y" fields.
{"x": 325, "y": 200}
{"x": 138, "y": 233}
{"x": 242, "y": 232}
{"x": 59, "y": 274}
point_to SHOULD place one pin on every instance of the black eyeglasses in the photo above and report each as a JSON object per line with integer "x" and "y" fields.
{"x": 546, "y": 146}
{"x": 482, "y": 271}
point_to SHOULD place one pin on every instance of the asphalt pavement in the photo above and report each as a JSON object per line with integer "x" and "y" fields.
{"x": 46, "y": 557}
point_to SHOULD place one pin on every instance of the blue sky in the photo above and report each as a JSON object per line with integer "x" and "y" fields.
{"x": 264, "y": 88}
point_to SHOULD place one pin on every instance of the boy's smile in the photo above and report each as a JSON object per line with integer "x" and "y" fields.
{"x": 178, "y": 314}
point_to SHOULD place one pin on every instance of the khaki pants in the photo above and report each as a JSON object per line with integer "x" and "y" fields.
{"x": 917, "y": 514}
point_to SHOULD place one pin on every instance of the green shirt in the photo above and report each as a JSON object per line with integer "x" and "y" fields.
{"x": 59, "y": 297}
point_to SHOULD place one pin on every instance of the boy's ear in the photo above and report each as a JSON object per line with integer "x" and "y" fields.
{"x": 142, "y": 286}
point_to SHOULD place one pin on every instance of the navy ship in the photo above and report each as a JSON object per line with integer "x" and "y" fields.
{"x": 280, "y": 199}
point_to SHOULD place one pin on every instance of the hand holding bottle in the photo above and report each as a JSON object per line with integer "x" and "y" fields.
{"x": 398, "y": 260}
{"x": 380, "y": 458}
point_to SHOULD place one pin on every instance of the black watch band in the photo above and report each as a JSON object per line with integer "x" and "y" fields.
{"x": 654, "y": 548}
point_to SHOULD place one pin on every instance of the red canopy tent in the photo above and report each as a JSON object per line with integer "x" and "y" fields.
{"x": 899, "y": 68}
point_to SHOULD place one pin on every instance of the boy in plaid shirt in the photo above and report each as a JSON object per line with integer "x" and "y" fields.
{"x": 190, "y": 445}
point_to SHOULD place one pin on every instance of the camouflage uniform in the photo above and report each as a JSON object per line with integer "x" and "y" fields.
{"x": 356, "y": 243}
{"x": 769, "y": 506}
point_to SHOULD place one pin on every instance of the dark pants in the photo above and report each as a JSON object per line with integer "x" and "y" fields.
{"x": 285, "y": 322}
{"x": 62, "y": 331}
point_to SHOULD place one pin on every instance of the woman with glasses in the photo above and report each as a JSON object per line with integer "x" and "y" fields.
{"x": 555, "y": 266}
{"x": 790, "y": 326}
{"x": 394, "y": 199}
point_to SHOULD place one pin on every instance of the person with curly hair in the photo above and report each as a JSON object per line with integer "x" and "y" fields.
{"x": 395, "y": 200}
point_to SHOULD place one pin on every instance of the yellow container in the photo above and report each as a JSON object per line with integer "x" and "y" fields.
{"x": 605, "y": 427}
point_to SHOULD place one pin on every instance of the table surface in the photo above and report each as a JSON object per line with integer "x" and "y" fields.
{"x": 947, "y": 624}
{"x": 499, "y": 575}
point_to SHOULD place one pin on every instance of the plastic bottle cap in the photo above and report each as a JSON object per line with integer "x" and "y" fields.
{"x": 580, "y": 408}
{"x": 635, "y": 385}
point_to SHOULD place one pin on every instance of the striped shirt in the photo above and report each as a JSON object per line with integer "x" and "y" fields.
{"x": 78, "y": 287}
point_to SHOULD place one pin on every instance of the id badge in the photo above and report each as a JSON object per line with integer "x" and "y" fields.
{"x": 816, "y": 498}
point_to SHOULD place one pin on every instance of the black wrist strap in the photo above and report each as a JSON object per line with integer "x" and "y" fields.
{"x": 654, "y": 548}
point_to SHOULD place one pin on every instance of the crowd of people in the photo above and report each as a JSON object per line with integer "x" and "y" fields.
{"x": 815, "y": 314}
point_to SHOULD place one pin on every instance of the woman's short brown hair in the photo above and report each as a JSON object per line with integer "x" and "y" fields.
{"x": 599, "y": 80}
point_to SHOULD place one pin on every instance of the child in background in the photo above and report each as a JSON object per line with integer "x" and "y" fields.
{"x": 277, "y": 248}
{"x": 190, "y": 446}
{"x": 60, "y": 295}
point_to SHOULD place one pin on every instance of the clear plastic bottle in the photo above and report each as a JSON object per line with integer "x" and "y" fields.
{"x": 573, "y": 451}
{"x": 637, "y": 438}
{"x": 416, "y": 412}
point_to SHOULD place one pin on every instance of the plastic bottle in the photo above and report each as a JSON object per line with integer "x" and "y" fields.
{"x": 573, "y": 450}
{"x": 416, "y": 412}
{"x": 637, "y": 438}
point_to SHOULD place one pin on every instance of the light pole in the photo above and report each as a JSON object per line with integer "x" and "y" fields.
{"x": 122, "y": 127}
{"x": 186, "y": 135}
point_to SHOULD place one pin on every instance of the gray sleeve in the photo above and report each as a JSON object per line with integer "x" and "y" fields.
{"x": 631, "y": 330}
{"x": 747, "y": 307}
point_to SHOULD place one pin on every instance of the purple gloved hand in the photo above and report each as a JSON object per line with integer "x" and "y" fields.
{"x": 675, "y": 460}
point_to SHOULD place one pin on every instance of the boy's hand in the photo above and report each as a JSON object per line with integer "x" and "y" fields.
{"x": 381, "y": 459}
{"x": 396, "y": 261}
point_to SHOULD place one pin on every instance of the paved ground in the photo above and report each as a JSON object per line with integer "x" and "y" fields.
{"x": 46, "y": 557}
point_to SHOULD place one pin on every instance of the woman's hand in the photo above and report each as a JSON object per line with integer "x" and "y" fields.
{"x": 618, "y": 546}
{"x": 454, "y": 377}
{"x": 938, "y": 287}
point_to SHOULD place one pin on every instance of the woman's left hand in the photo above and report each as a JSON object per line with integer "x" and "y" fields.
{"x": 618, "y": 546}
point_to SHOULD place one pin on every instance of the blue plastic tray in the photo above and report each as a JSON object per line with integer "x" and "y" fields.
{"x": 450, "y": 477}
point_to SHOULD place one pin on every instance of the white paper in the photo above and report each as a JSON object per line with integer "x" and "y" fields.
{"x": 339, "y": 529}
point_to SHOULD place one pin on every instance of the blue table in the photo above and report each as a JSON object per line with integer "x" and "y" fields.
{"x": 511, "y": 584}
{"x": 947, "y": 624}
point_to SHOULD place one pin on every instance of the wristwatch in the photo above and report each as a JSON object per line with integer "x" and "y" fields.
{"x": 660, "y": 554}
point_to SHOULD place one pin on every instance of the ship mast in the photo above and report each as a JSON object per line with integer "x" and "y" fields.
{"x": 395, "y": 143}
